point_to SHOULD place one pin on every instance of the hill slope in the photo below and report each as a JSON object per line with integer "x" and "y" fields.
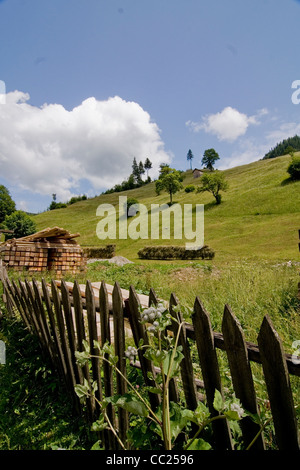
{"x": 259, "y": 216}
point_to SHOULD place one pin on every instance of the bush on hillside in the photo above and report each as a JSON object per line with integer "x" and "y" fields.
{"x": 294, "y": 168}
{"x": 175, "y": 252}
{"x": 189, "y": 188}
{"x": 101, "y": 252}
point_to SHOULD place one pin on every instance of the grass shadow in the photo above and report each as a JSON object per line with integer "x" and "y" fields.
{"x": 287, "y": 181}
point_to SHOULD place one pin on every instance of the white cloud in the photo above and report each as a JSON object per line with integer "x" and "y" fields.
{"x": 227, "y": 125}
{"x": 50, "y": 149}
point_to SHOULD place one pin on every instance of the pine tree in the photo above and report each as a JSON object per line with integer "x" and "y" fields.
{"x": 147, "y": 165}
{"x": 190, "y": 157}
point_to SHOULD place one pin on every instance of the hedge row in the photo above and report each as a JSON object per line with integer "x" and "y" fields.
{"x": 103, "y": 252}
{"x": 175, "y": 252}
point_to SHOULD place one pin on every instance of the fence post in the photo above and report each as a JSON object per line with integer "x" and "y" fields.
{"x": 64, "y": 344}
{"x": 278, "y": 386}
{"x": 81, "y": 336}
{"x": 139, "y": 332}
{"x": 119, "y": 342}
{"x": 210, "y": 370}
{"x": 241, "y": 374}
{"x": 61, "y": 360}
{"x": 186, "y": 366}
{"x": 107, "y": 369}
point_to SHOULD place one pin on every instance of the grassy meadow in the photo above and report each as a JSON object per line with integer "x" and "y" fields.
{"x": 254, "y": 233}
{"x": 258, "y": 218}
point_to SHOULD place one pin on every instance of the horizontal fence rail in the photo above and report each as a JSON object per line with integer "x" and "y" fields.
{"x": 63, "y": 316}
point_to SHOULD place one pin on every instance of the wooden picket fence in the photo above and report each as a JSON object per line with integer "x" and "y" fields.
{"x": 62, "y": 320}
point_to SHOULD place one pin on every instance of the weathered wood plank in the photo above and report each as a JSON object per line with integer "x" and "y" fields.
{"x": 45, "y": 327}
{"x": 186, "y": 366}
{"x": 68, "y": 319}
{"x": 210, "y": 370}
{"x": 64, "y": 344}
{"x": 93, "y": 336}
{"x": 139, "y": 332}
{"x": 119, "y": 342}
{"x": 241, "y": 374}
{"x": 81, "y": 337}
{"x": 278, "y": 386}
{"x": 107, "y": 369}
{"x": 54, "y": 332}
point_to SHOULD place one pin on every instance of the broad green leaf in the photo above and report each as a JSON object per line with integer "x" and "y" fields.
{"x": 81, "y": 390}
{"x": 218, "y": 403}
{"x": 97, "y": 446}
{"x": 179, "y": 418}
{"x": 170, "y": 368}
{"x": 199, "y": 444}
{"x": 99, "y": 425}
{"x": 201, "y": 414}
{"x": 82, "y": 357}
{"x": 233, "y": 415}
{"x": 132, "y": 405}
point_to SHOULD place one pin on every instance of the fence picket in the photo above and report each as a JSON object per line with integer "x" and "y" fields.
{"x": 210, "y": 370}
{"x": 54, "y": 332}
{"x": 107, "y": 369}
{"x": 93, "y": 336}
{"x": 119, "y": 342}
{"x": 43, "y": 320}
{"x": 241, "y": 374}
{"x": 68, "y": 319}
{"x": 278, "y": 386}
{"x": 80, "y": 338}
{"x": 64, "y": 344}
{"x": 186, "y": 366}
{"x": 139, "y": 333}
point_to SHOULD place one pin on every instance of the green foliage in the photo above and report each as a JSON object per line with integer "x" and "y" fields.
{"x": 147, "y": 166}
{"x": 57, "y": 205}
{"x": 175, "y": 252}
{"x": 101, "y": 252}
{"x": 7, "y": 205}
{"x": 21, "y": 224}
{"x": 169, "y": 180}
{"x": 213, "y": 183}
{"x": 130, "y": 202}
{"x": 210, "y": 156}
{"x": 189, "y": 188}
{"x": 284, "y": 147}
{"x": 294, "y": 168}
{"x": 36, "y": 413}
{"x": 170, "y": 419}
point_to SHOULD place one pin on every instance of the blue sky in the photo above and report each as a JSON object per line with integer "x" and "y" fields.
{"x": 90, "y": 84}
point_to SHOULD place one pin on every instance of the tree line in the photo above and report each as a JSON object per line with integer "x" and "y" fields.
{"x": 286, "y": 146}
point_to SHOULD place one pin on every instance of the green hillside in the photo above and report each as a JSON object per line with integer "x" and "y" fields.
{"x": 259, "y": 216}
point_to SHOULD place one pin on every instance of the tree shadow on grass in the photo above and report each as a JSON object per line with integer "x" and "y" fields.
{"x": 287, "y": 181}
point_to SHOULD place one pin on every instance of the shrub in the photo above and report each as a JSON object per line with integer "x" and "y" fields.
{"x": 21, "y": 224}
{"x": 105, "y": 252}
{"x": 189, "y": 188}
{"x": 294, "y": 168}
{"x": 130, "y": 202}
{"x": 175, "y": 252}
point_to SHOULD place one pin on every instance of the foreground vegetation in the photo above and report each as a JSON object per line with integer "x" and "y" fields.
{"x": 36, "y": 414}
